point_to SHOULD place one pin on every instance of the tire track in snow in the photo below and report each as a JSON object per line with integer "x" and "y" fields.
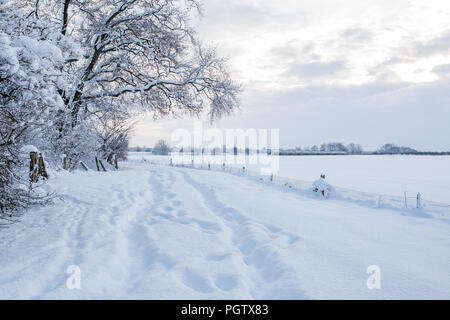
{"x": 256, "y": 242}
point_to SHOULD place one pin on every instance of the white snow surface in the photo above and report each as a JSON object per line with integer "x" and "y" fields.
{"x": 321, "y": 185}
{"x": 9, "y": 63}
{"x": 28, "y": 148}
{"x": 43, "y": 49}
{"x": 381, "y": 174}
{"x": 159, "y": 232}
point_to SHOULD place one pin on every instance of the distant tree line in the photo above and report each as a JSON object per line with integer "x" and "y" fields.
{"x": 160, "y": 148}
{"x": 390, "y": 148}
{"x": 353, "y": 148}
{"x": 333, "y": 147}
{"x": 338, "y": 148}
{"x": 140, "y": 149}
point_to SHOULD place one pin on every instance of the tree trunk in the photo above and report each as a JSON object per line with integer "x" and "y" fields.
{"x": 33, "y": 167}
{"x": 65, "y": 16}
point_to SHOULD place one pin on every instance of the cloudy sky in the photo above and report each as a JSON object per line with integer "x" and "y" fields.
{"x": 360, "y": 71}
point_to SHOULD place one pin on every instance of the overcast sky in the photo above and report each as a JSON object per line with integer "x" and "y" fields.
{"x": 360, "y": 71}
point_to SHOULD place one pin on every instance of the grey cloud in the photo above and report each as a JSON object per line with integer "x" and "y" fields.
{"x": 383, "y": 71}
{"x": 370, "y": 114}
{"x": 385, "y": 110}
{"x": 284, "y": 52}
{"x": 443, "y": 69}
{"x": 433, "y": 46}
{"x": 310, "y": 95}
{"x": 293, "y": 49}
{"x": 243, "y": 20}
{"x": 311, "y": 70}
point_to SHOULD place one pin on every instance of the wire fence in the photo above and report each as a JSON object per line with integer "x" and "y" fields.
{"x": 408, "y": 204}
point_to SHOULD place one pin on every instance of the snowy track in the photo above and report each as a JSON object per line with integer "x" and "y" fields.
{"x": 154, "y": 232}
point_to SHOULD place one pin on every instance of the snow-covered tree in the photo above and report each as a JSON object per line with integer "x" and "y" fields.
{"x": 142, "y": 53}
{"x": 70, "y": 67}
{"x": 113, "y": 132}
{"x": 323, "y": 147}
{"x": 161, "y": 147}
{"x": 354, "y": 148}
{"x": 30, "y": 71}
{"x": 390, "y": 148}
{"x": 336, "y": 147}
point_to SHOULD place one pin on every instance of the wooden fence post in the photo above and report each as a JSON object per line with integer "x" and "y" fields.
{"x": 84, "y": 166}
{"x": 41, "y": 167}
{"x": 33, "y": 166}
{"x": 116, "y": 163}
{"x": 96, "y": 162}
{"x": 101, "y": 164}
{"x": 406, "y": 201}
{"x": 380, "y": 201}
{"x": 419, "y": 201}
{"x": 65, "y": 162}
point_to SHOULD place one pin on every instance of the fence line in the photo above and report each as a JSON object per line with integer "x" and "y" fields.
{"x": 362, "y": 198}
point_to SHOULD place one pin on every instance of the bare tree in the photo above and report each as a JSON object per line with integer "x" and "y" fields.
{"x": 336, "y": 147}
{"x": 161, "y": 148}
{"x": 354, "y": 148}
{"x": 113, "y": 132}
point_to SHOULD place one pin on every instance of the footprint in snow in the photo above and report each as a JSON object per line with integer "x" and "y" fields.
{"x": 171, "y": 195}
{"x": 181, "y": 213}
{"x": 208, "y": 227}
{"x": 176, "y": 203}
{"x": 226, "y": 282}
{"x": 217, "y": 256}
{"x": 195, "y": 281}
{"x": 168, "y": 208}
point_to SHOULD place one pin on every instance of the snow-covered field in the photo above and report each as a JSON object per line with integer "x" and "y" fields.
{"x": 159, "y": 232}
{"x": 382, "y": 174}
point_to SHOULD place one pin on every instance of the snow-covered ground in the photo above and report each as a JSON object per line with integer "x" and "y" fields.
{"x": 381, "y": 174}
{"x": 159, "y": 232}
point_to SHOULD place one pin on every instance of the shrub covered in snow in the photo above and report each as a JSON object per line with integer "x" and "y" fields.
{"x": 322, "y": 187}
{"x": 28, "y": 97}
